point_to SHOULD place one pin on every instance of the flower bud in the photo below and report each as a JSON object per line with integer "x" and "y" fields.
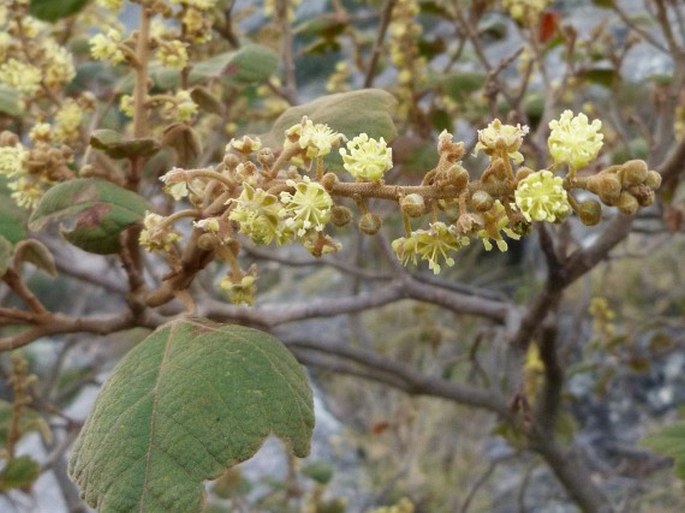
{"x": 457, "y": 176}
{"x": 340, "y": 215}
{"x": 653, "y": 180}
{"x": 590, "y": 212}
{"x": 627, "y": 203}
{"x": 609, "y": 189}
{"x": 265, "y": 157}
{"x": 328, "y": 181}
{"x": 207, "y": 241}
{"x": 523, "y": 172}
{"x": 413, "y": 205}
{"x": 370, "y": 223}
{"x": 481, "y": 201}
{"x": 87, "y": 171}
{"x": 634, "y": 172}
{"x": 643, "y": 194}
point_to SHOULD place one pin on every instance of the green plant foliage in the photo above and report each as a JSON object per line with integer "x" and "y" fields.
{"x": 319, "y": 471}
{"x": 12, "y": 217}
{"x": 670, "y": 441}
{"x": 99, "y": 211}
{"x": 5, "y": 254}
{"x": 53, "y": 10}
{"x": 192, "y": 399}
{"x": 367, "y": 110}
{"x": 9, "y": 100}
{"x": 18, "y": 473}
{"x": 111, "y": 142}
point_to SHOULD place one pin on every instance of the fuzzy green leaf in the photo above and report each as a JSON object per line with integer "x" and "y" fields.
{"x": 12, "y": 217}
{"x": 367, "y": 110}
{"x": 670, "y": 441}
{"x": 111, "y": 142}
{"x": 53, "y": 10}
{"x": 251, "y": 63}
{"x": 190, "y": 400}
{"x": 19, "y": 473}
{"x": 9, "y": 100}
{"x": 98, "y": 212}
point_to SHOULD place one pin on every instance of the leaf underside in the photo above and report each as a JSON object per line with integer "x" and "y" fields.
{"x": 190, "y": 400}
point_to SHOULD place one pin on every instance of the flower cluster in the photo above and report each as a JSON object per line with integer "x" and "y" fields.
{"x": 157, "y": 235}
{"x": 498, "y": 140}
{"x": 432, "y": 245}
{"x": 541, "y": 197}
{"x": 574, "y": 140}
{"x": 107, "y": 47}
{"x": 317, "y": 140}
{"x": 259, "y": 216}
{"x": 366, "y": 159}
{"x": 308, "y": 208}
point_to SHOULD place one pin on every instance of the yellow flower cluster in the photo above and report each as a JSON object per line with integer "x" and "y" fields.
{"x": 107, "y": 47}
{"x": 173, "y": 54}
{"x": 366, "y": 159}
{"x": 574, "y": 140}
{"x": 541, "y": 197}
{"x": 23, "y": 77}
{"x": 498, "y": 140}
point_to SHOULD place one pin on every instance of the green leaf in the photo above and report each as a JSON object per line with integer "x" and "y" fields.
{"x": 319, "y": 471}
{"x": 190, "y": 400}
{"x": 5, "y": 255}
{"x": 12, "y": 217}
{"x": 98, "y": 211}
{"x": 207, "y": 101}
{"x": 111, "y": 142}
{"x": 9, "y": 100}
{"x": 605, "y": 77}
{"x": 36, "y": 253}
{"x": 670, "y": 441}
{"x": 251, "y": 63}
{"x": 53, "y": 10}
{"x": 367, "y": 110}
{"x": 459, "y": 85}
{"x": 19, "y": 473}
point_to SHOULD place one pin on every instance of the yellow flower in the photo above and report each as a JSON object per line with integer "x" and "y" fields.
{"x": 173, "y": 54}
{"x": 106, "y": 47}
{"x": 198, "y": 4}
{"x": 498, "y": 138}
{"x": 368, "y": 159}
{"x": 573, "y": 140}
{"x": 12, "y": 160}
{"x": 68, "y": 120}
{"x": 26, "y": 191}
{"x": 541, "y": 197}
{"x": 496, "y": 221}
{"x": 240, "y": 292}
{"x": 156, "y": 236}
{"x": 59, "y": 65}
{"x": 309, "y": 207}
{"x": 259, "y": 216}
{"x": 112, "y": 5}
{"x": 432, "y": 245}
{"x": 23, "y": 77}
{"x": 316, "y": 139}
{"x": 186, "y": 108}
{"x": 126, "y": 105}
{"x": 41, "y": 132}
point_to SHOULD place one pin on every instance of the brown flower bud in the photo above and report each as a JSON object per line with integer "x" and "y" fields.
{"x": 207, "y": 241}
{"x": 634, "y": 172}
{"x": 457, "y": 176}
{"x": 8, "y": 138}
{"x": 643, "y": 194}
{"x": 328, "y": 181}
{"x": 590, "y": 212}
{"x": 413, "y": 205}
{"x": 523, "y": 172}
{"x": 340, "y": 215}
{"x": 370, "y": 223}
{"x": 482, "y": 201}
{"x": 265, "y": 157}
{"x": 653, "y": 180}
{"x": 609, "y": 189}
{"x": 627, "y": 203}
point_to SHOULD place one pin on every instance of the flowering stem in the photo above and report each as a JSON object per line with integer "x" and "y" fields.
{"x": 141, "y": 75}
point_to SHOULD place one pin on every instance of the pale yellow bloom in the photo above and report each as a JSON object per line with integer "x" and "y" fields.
{"x": 316, "y": 139}
{"x": 525, "y": 11}
{"x": 498, "y": 138}
{"x": 26, "y": 192}
{"x": 126, "y": 105}
{"x": 433, "y": 245}
{"x": 541, "y": 197}
{"x": 12, "y": 160}
{"x": 309, "y": 207}
{"x": 157, "y": 236}
{"x": 112, "y": 5}
{"x": 186, "y": 108}
{"x": 574, "y": 140}
{"x": 21, "y": 76}
{"x": 173, "y": 54}
{"x": 41, "y": 132}
{"x": 106, "y": 47}
{"x": 368, "y": 159}
{"x": 198, "y": 4}
{"x": 68, "y": 120}
{"x": 59, "y": 65}
{"x": 259, "y": 216}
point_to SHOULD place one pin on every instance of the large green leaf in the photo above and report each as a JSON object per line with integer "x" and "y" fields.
{"x": 12, "y": 217}
{"x": 251, "y": 63}
{"x": 19, "y": 473}
{"x": 670, "y": 441}
{"x": 367, "y": 110}
{"x": 97, "y": 209}
{"x": 190, "y": 400}
{"x": 53, "y": 10}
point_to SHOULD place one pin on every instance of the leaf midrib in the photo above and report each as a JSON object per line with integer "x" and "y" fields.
{"x": 153, "y": 417}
